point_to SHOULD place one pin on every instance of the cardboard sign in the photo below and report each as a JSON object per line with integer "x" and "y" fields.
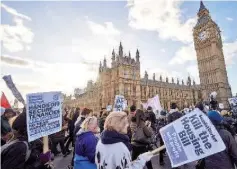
{"x": 190, "y": 138}
{"x": 119, "y": 103}
{"x": 44, "y": 114}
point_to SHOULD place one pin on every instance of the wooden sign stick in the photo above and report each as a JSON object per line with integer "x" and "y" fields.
{"x": 46, "y": 144}
{"x": 154, "y": 152}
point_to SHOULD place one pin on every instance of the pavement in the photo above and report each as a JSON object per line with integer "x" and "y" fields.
{"x": 61, "y": 162}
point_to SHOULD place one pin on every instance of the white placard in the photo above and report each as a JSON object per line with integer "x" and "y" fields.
{"x": 190, "y": 138}
{"x": 109, "y": 108}
{"x": 44, "y": 114}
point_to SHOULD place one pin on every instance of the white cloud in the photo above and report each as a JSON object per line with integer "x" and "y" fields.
{"x": 162, "y": 16}
{"x": 193, "y": 72}
{"x": 163, "y": 50}
{"x": 230, "y": 52}
{"x": 14, "y": 12}
{"x": 184, "y": 54}
{"x": 106, "y": 29}
{"x": 188, "y": 53}
{"x": 16, "y": 37}
{"x": 229, "y": 19}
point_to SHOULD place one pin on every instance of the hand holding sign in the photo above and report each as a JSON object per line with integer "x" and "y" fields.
{"x": 190, "y": 138}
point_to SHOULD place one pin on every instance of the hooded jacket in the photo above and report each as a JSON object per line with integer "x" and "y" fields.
{"x": 86, "y": 145}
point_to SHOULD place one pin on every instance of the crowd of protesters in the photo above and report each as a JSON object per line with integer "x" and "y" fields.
{"x": 108, "y": 140}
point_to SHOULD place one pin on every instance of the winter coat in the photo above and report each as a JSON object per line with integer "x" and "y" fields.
{"x": 5, "y": 126}
{"x": 101, "y": 123}
{"x": 14, "y": 156}
{"x": 112, "y": 153}
{"x": 152, "y": 118}
{"x": 173, "y": 115}
{"x": 147, "y": 133}
{"x": 85, "y": 150}
{"x": 227, "y": 158}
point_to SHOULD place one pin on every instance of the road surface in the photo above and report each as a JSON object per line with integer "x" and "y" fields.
{"x": 61, "y": 163}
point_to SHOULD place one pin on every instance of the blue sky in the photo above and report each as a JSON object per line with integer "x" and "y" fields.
{"x": 58, "y": 45}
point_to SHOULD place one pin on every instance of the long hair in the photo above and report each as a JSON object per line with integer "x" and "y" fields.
{"x": 140, "y": 116}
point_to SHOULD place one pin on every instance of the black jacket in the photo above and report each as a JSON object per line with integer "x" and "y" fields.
{"x": 152, "y": 118}
{"x": 227, "y": 158}
{"x": 14, "y": 156}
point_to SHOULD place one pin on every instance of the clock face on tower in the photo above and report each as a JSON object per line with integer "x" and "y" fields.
{"x": 202, "y": 35}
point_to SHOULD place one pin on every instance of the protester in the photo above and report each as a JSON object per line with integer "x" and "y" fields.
{"x": 5, "y": 126}
{"x": 69, "y": 139}
{"x": 174, "y": 114}
{"x": 227, "y": 158}
{"x": 58, "y": 138}
{"x": 102, "y": 120}
{"x": 161, "y": 123}
{"x": 84, "y": 114}
{"x": 141, "y": 136}
{"x": 113, "y": 150}
{"x": 18, "y": 153}
{"x": 85, "y": 145}
{"x": 151, "y": 117}
{"x": 132, "y": 113}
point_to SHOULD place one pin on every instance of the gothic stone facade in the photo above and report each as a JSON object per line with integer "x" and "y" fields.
{"x": 123, "y": 78}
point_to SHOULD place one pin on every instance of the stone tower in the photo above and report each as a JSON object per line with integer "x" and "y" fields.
{"x": 210, "y": 57}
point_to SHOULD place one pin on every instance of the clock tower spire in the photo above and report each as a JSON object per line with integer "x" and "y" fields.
{"x": 210, "y": 57}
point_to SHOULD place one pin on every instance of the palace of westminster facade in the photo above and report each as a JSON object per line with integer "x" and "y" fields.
{"x": 123, "y": 78}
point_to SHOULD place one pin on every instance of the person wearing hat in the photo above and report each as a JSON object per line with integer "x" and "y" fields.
{"x": 151, "y": 117}
{"x": 5, "y": 126}
{"x": 18, "y": 153}
{"x": 174, "y": 114}
{"x": 228, "y": 157}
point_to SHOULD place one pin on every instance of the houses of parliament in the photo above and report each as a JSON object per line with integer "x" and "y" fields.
{"x": 123, "y": 77}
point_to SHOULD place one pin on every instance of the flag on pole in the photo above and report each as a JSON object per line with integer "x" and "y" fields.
{"x": 4, "y": 102}
{"x": 12, "y": 87}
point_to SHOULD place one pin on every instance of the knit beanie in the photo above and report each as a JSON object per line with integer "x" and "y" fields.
{"x": 215, "y": 117}
{"x": 20, "y": 124}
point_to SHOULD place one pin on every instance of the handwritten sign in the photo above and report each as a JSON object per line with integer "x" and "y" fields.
{"x": 119, "y": 103}
{"x": 233, "y": 104}
{"x": 44, "y": 114}
{"x": 190, "y": 138}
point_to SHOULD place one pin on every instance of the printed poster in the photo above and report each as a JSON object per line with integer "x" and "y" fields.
{"x": 44, "y": 114}
{"x": 190, "y": 138}
{"x": 119, "y": 103}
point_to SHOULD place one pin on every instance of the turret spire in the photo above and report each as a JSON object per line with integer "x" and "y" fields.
{"x": 113, "y": 55}
{"x": 137, "y": 55}
{"x": 120, "y": 49}
{"x": 105, "y": 64}
{"x": 202, "y": 6}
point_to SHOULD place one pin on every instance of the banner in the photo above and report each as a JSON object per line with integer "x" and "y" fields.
{"x": 44, "y": 114}
{"x": 12, "y": 87}
{"x": 154, "y": 103}
{"x": 119, "y": 103}
{"x": 190, "y": 138}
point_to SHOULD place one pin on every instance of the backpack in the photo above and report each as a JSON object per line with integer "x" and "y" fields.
{"x": 28, "y": 151}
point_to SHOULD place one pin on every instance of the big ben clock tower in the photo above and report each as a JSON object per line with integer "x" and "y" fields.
{"x": 210, "y": 57}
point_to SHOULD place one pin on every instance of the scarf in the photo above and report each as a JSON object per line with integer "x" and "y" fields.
{"x": 111, "y": 137}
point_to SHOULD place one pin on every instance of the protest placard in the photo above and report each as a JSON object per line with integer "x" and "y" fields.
{"x": 44, "y": 114}
{"x": 190, "y": 138}
{"x": 233, "y": 104}
{"x": 119, "y": 103}
{"x": 109, "y": 108}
